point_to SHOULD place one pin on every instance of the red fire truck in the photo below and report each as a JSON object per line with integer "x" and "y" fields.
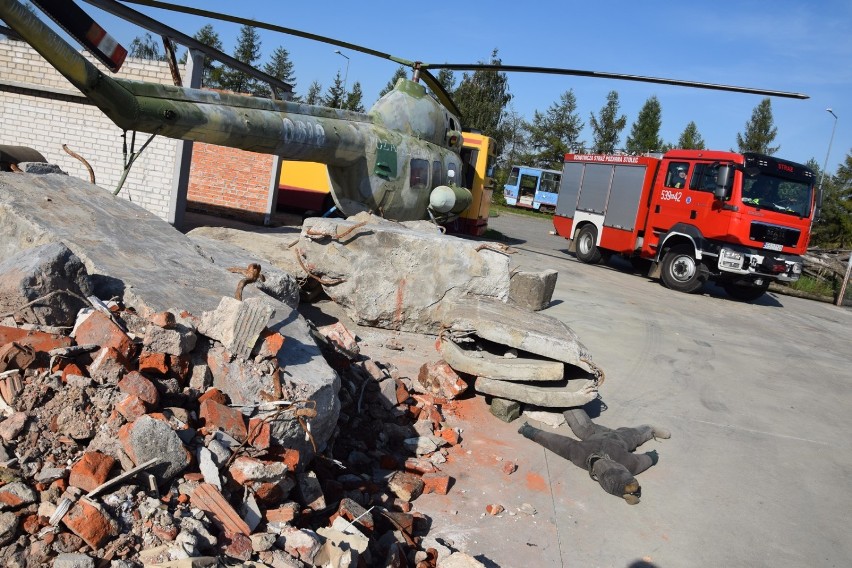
{"x": 691, "y": 216}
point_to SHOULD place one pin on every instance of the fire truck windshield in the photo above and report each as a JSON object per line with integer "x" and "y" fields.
{"x": 777, "y": 194}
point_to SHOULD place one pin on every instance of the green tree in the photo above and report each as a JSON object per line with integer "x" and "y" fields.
{"x": 645, "y": 133}
{"x": 335, "y": 96}
{"x": 212, "y": 72}
{"x": 353, "y": 98}
{"x": 482, "y": 98}
{"x": 834, "y": 227}
{"x": 248, "y": 52}
{"x": 447, "y": 79}
{"x": 556, "y": 132}
{"x": 314, "y": 96}
{"x": 400, "y": 73}
{"x": 280, "y": 67}
{"x": 760, "y": 131}
{"x": 690, "y": 138}
{"x": 146, "y": 47}
{"x": 607, "y": 126}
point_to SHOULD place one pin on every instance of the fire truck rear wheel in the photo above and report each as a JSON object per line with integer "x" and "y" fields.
{"x": 746, "y": 293}
{"x": 587, "y": 249}
{"x": 681, "y": 271}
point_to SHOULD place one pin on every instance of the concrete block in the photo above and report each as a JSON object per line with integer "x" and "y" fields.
{"x": 532, "y": 290}
{"x": 37, "y": 272}
{"x": 505, "y": 410}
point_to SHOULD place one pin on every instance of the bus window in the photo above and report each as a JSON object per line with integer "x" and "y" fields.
{"x": 513, "y": 177}
{"x": 437, "y": 174}
{"x": 419, "y": 174}
{"x": 550, "y": 182}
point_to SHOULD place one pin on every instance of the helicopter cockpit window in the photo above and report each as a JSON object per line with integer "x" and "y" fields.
{"x": 419, "y": 174}
{"x": 437, "y": 170}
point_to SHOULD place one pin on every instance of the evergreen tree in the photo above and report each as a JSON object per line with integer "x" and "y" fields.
{"x": 555, "y": 133}
{"x": 515, "y": 138}
{"x": 834, "y": 227}
{"x": 353, "y": 98}
{"x": 607, "y": 127}
{"x": 482, "y": 98}
{"x": 314, "y": 96}
{"x": 335, "y": 95}
{"x": 400, "y": 73}
{"x": 212, "y": 72}
{"x": 447, "y": 80}
{"x": 690, "y": 138}
{"x": 248, "y": 52}
{"x": 146, "y": 47}
{"x": 760, "y": 131}
{"x": 645, "y": 133}
{"x": 280, "y": 67}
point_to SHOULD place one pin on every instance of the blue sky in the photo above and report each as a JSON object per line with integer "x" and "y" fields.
{"x": 782, "y": 45}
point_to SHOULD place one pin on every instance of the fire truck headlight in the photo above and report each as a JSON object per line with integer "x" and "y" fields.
{"x": 797, "y": 268}
{"x": 730, "y": 259}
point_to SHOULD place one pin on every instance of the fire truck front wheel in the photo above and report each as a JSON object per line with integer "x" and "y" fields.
{"x": 681, "y": 271}
{"x": 587, "y": 249}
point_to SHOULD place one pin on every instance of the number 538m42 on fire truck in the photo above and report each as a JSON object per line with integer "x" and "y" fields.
{"x": 741, "y": 220}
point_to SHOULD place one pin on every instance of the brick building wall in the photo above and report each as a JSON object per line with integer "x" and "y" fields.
{"x": 39, "y": 108}
{"x": 229, "y": 182}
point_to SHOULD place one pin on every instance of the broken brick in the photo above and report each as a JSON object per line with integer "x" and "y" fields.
{"x": 91, "y": 471}
{"x": 131, "y": 407}
{"x": 420, "y": 465}
{"x": 11, "y": 427}
{"x": 99, "y": 329}
{"x": 166, "y": 319}
{"x": 107, "y": 366}
{"x": 40, "y": 341}
{"x": 219, "y": 416}
{"x": 154, "y": 363}
{"x": 213, "y": 394}
{"x": 135, "y": 383}
{"x": 509, "y": 467}
{"x": 91, "y": 523}
{"x": 268, "y": 344}
{"x": 407, "y": 486}
{"x": 440, "y": 379}
{"x": 436, "y": 483}
{"x": 494, "y": 509}
{"x": 283, "y": 514}
{"x": 260, "y": 434}
{"x": 350, "y": 510}
{"x": 450, "y": 435}
{"x": 245, "y": 469}
{"x": 71, "y": 369}
{"x": 207, "y": 498}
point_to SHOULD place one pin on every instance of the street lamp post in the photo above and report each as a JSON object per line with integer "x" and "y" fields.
{"x": 346, "y": 75}
{"x": 830, "y": 142}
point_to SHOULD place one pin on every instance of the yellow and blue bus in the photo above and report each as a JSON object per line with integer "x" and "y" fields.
{"x": 532, "y": 188}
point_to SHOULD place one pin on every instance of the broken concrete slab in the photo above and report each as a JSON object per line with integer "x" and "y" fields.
{"x": 51, "y": 273}
{"x": 366, "y": 266}
{"x": 236, "y": 324}
{"x": 564, "y": 394}
{"x": 513, "y": 326}
{"x": 278, "y": 283}
{"x": 485, "y": 364}
{"x": 130, "y": 253}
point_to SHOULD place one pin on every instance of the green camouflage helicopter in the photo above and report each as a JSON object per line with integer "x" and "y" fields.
{"x": 375, "y": 160}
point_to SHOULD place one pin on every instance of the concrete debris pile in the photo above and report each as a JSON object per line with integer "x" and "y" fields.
{"x": 409, "y": 277}
{"x": 116, "y": 446}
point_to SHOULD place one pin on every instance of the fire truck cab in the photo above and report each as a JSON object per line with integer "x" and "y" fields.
{"x": 691, "y": 216}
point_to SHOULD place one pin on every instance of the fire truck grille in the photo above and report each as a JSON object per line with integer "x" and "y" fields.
{"x": 766, "y": 233}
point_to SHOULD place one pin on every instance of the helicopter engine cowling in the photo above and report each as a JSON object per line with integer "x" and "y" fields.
{"x": 447, "y": 199}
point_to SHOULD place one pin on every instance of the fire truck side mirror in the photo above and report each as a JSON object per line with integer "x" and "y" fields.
{"x": 724, "y": 182}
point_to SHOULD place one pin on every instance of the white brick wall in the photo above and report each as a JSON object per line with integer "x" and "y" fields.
{"x": 40, "y": 109}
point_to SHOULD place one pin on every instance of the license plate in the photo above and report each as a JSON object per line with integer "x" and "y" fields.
{"x": 772, "y": 246}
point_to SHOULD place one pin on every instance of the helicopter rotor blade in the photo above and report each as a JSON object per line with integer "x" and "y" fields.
{"x": 463, "y": 67}
{"x": 440, "y": 92}
{"x": 267, "y": 26}
{"x": 606, "y": 75}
